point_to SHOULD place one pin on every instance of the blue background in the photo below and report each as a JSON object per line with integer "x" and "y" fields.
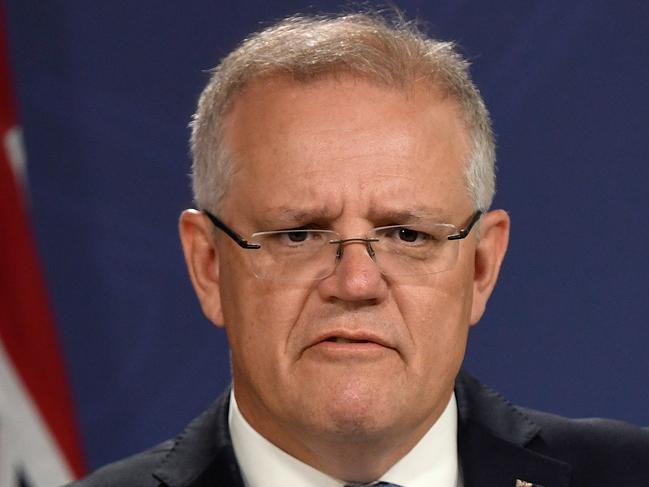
{"x": 106, "y": 90}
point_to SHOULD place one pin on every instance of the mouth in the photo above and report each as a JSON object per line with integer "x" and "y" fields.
{"x": 344, "y": 346}
{"x": 346, "y": 340}
{"x": 350, "y": 341}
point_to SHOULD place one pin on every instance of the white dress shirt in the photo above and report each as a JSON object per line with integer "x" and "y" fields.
{"x": 432, "y": 462}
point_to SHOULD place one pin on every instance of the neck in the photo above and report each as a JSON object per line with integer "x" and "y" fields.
{"x": 358, "y": 460}
{"x": 352, "y": 455}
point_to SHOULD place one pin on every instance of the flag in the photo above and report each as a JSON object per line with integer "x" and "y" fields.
{"x": 39, "y": 441}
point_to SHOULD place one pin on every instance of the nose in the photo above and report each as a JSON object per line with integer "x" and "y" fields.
{"x": 357, "y": 276}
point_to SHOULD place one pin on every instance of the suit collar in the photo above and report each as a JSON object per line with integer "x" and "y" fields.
{"x": 202, "y": 455}
{"x": 482, "y": 405}
{"x": 495, "y": 441}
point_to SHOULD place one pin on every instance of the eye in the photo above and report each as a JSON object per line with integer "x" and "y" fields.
{"x": 408, "y": 234}
{"x": 297, "y": 236}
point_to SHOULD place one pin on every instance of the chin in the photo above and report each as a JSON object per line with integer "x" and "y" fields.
{"x": 356, "y": 413}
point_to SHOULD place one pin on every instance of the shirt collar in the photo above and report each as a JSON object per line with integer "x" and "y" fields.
{"x": 433, "y": 460}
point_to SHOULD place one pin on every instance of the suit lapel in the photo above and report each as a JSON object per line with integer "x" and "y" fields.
{"x": 493, "y": 439}
{"x": 202, "y": 455}
{"x": 493, "y": 436}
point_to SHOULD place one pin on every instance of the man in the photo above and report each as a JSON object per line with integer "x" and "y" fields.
{"x": 343, "y": 171}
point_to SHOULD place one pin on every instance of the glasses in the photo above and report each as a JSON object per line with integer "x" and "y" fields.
{"x": 312, "y": 254}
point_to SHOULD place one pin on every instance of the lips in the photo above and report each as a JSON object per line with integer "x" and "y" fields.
{"x": 345, "y": 340}
{"x": 345, "y": 346}
{"x": 345, "y": 337}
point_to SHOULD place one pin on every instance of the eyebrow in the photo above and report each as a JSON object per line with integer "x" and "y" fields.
{"x": 284, "y": 215}
{"x": 409, "y": 214}
{"x": 289, "y": 217}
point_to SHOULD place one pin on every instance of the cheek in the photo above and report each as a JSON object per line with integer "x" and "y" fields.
{"x": 437, "y": 316}
{"x": 441, "y": 298}
{"x": 260, "y": 316}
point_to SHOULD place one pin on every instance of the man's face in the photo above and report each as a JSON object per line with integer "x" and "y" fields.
{"x": 345, "y": 155}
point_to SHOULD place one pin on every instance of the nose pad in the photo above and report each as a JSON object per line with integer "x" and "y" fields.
{"x": 367, "y": 241}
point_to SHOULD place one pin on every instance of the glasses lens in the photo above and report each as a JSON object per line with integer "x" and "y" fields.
{"x": 415, "y": 249}
{"x": 307, "y": 255}
{"x": 294, "y": 255}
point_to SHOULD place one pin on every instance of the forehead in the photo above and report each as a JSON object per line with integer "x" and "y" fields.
{"x": 322, "y": 141}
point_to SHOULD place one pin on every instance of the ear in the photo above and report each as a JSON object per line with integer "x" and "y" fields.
{"x": 202, "y": 259}
{"x": 489, "y": 254}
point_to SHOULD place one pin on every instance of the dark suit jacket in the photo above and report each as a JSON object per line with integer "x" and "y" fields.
{"x": 498, "y": 444}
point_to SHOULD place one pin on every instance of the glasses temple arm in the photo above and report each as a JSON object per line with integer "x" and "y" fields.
{"x": 463, "y": 232}
{"x": 242, "y": 242}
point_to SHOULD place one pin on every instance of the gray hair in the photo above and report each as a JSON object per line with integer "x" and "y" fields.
{"x": 390, "y": 52}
